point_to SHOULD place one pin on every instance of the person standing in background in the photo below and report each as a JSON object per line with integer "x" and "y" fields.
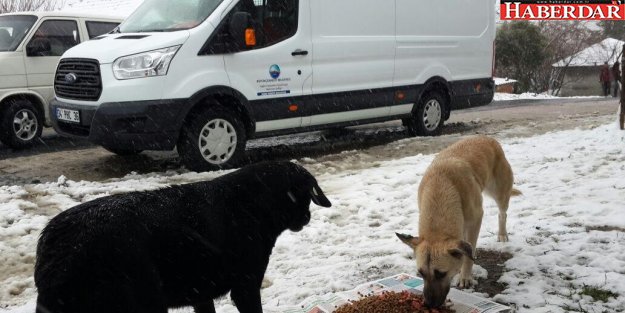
{"x": 604, "y": 78}
{"x": 622, "y": 107}
{"x": 616, "y": 76}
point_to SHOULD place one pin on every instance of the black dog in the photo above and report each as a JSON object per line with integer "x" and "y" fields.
{"x": 145, "y": 252}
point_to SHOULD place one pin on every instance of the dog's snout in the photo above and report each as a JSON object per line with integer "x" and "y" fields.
{"x": 435, "y": 296}
{"x": 306, "y": 219}
{"x": 428, "y": 304}
{"x": 434, "y": 303}
{"x": 299, "y": 223}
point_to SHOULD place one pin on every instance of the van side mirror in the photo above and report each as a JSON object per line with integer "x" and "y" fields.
{"x": 242, "y": 32}
{"x": 38, "y": 47}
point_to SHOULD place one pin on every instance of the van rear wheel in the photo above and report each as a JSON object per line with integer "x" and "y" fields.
{"x": 20, "y": 123}
{"x": 214, "y": 139}
{"x": 427, "y": 119}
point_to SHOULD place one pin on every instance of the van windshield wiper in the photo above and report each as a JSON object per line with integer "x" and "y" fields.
{"x": 151, "y": 31}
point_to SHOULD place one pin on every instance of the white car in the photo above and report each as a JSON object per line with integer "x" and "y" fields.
{"x": 31, "y": 44}
{"x": 206, "y": 75}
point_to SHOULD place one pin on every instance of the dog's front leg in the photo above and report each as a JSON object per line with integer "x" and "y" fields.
{"x": 466, "y": 272}
{"x": 247, "y": 299}
{"x": 208, "y": 307}
{"x": 466, "y": 275}
{"x": 503, "y": 233}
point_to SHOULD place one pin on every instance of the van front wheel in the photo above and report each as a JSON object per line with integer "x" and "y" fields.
{"x": 20, "y": 123}
{"x": 213, "y": 139}
{"x": 427, "y": 119}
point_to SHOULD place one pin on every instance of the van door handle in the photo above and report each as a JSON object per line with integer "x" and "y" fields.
{"x": 299, "y": 52}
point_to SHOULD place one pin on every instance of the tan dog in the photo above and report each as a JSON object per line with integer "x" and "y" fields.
{"x": 450, "y": 206}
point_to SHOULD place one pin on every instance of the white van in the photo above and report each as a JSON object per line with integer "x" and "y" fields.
{"x": 31, "y": 45}
{"x": 207, "y": 75}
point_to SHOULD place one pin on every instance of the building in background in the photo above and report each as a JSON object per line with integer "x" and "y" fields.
{"x": 579, "y": 73}
{"x": 505, "y": 85}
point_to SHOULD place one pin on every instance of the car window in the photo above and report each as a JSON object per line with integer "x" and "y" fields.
{"x": 276, "y": 20}
{"x": 13, "y": 29}
{"x": 273, "y": 21}
{"x": 168, "y": 15}
{"x": 95, "y": 29}
{"x": 53, "y": 38}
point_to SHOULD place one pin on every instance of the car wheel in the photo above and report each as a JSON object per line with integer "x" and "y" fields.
{"x": 123, "y": 152}
{"x": 428, "y": 118}
{"x": 20, "y": 124}
{"x": 214, "y": 139}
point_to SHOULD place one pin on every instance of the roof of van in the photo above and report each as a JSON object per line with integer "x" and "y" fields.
{"x": 41, "y": 14}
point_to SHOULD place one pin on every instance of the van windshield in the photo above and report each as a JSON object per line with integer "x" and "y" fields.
{"x": 13, "y": 29}
{"x": 168, "y": 15}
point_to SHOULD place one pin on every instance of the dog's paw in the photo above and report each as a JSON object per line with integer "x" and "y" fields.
{"x": 465, "y": 282}
{"x": 502, "y": 238}
{"x": 266, "y": 283}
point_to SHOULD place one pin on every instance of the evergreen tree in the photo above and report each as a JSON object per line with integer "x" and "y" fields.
{"x": 521, "y": 53}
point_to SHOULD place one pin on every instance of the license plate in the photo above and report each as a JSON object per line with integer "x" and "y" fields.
{"x": 68, "y": 115}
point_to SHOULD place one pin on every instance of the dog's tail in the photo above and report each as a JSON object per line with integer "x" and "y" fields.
{"x": 515, "y": 192}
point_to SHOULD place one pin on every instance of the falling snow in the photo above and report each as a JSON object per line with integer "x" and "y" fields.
{"x": 567, "y": 231}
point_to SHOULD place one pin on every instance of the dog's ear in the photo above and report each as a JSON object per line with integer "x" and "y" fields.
{"x": 464, "y": 249}
{"x": 317, "y": 196}
{"x": 412, "y": 242}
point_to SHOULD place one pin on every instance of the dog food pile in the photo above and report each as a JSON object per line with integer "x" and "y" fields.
{"x": 391, "y": 302}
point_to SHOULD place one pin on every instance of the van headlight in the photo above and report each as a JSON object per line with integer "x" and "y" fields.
{"x": 146, "y": 64}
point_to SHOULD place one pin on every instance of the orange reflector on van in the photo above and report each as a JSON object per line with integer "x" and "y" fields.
{"x": 250, "y": 37}
{"x": 400, "y": 95}
{"x": 293, "y": 107}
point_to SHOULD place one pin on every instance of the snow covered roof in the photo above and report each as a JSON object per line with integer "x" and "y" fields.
{"x": 608, "y": 50}
{"x": 121, "y": 8}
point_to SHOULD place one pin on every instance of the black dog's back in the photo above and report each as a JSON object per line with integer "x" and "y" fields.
{"x": 178, "y": 246}
{"x": 125, "y": 244}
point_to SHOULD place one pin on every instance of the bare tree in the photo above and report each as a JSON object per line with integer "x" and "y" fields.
{"x": 564, "y": 40}
{"x": 613, "y": 29}
{"x": 8, "y": 6}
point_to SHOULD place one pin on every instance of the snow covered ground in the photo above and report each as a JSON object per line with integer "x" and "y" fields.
{"x": 572, "y": 183}
{"x": 534, "y": 96}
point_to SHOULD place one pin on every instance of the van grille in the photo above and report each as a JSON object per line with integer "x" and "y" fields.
{"x": 87, "y": 84}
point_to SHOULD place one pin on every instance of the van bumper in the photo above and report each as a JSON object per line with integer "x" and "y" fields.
{"x": 137, "y": 125}
{"x": 472, "y": 93}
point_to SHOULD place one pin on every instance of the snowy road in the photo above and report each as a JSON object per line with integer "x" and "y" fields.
{"x": 79, "y": 160}
{"x": 567, "y": 232}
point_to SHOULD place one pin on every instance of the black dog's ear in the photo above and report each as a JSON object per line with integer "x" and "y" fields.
{"x": 317, "y": 196}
